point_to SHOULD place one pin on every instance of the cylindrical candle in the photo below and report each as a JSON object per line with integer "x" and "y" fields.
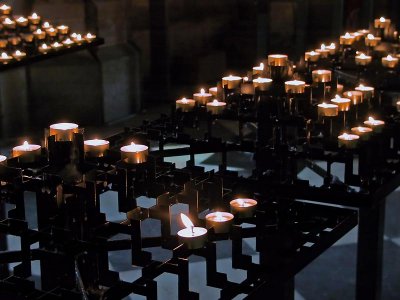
{"x": 90, "y": 37}
{"x": 202, "y": 97}
{"x": 62, "y": 29}
{"x": 5, "y": 58}
{"x": 257, "y": 71}
{"x": 213, "y": 91}
{"x": 331, "y": 48}
{"x": 216, "y": 107}
{"x": 19, "y": 55}
{"x": 348, "y": 140}
{"x": 347, "y": 39}
{"x": 96, "y": 148}
{"x": 39, "y": 34}
{"x": 323, "y": 51}
{"x": 356, "y": 97}
{"x": 5, "y": 9}
{"x": 220, "y": 221}
{"x": 371, "y": 40}
{"x": 390, "y": 62}
{"x": 327, "y": 110}
{"x": 26, "y": 152}
{"x": 381, "y": 22}
{"x": 21, "y": 21}
{"x": 262, "y": 84}
{"x": 64, "y": 132}
{"x": 321, "y": 75}
{"x": 367, "y": 91}
{"x": 231, "y": 82}
{"x": 312, "y": 56}
{"x": 9, "y": 24}
{"x": 243, "y": 208}
{"x": 363, "y": 132}
{"x": 363, "y": 60}
{"x": 68, "y": 42}
{"x": 193, "y": 237}
{"x": 376, "y": 125}
{"x": 277, "y": 60}
{"x": 44, "y": 48}
{"x": 34, "y": 19}
{"x": 342, "y": 103}
{"x": 134, "y": 153}
{"x": 185, "y": 105}
{"x": 295, "y": 87}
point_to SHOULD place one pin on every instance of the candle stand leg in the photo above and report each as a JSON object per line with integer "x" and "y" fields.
{"x": 3, "y": 242}
{"x": 370, "y": 252}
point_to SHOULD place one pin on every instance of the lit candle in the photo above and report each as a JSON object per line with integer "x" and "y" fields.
{"x": 367, "y": 91}
{"x": 39, "y": 34}
{"x": 398, "y": 106}
{"x": 277, "y": 60}
{"x": 52, "y": 32}
{"x": 44, "y": 48}
{"x": 262, "y": 84}
{"x": 18, "y": 55}
{"x": 258, "y": 70}
{"x": 363, "y": 132}
{"x": 134, "y": 153}
{"x": 220, "y": 221}
{"x": 90, "y": 37}
{"x": 323, "y": 51}
{"x": 381, "y": 22}
{"x": 193, "y": 237}
{"x": 371, "y": 40}
{"x": 202, "y": 97}
{"x": 376, "y": 125}
{"x": 231, "y": 82}
{"x": 62, "y": 29}
{"x": 357, "y": 35}
{"x": 295, "y": 87}
{"x": 327, "y": 110}
{"x": 348, "y": 140}
{"x": 64, "y": 131}
{"x": 321, "y": 75}
{"x": 78, "y": 39}
{"x": 56, "y": 46}
{"x": 185, "y": 105}
{"x": 364, "y": 32}
{"x": 68, "y": 42}
{"x": 347, "y": 39}
{"x": 34, "y": 19}
{"x": 390, "y": 62}
{"x": 26, "y": 152}
{"x": 46, "y": 25}
{"x": 3, "y": 160}
{"x": 21, "y": 21}
{"x": 213, "y": 91}
{"x": 342, "y": 103}
{"x": 243, "y": 208}
{"x": 9, "y": 24}
{"x": 363, "y": 60}
{"x": 216, "y": 107}
{"x": 247, "y": 87}
{"x": 312, "y": 56}
{"x": 356, "y": 97}
{"x": 5, "y": 58}
{"x": 5, "y": 9}
{"x": 96, "y": 148}
{"x": 331, "y": 48}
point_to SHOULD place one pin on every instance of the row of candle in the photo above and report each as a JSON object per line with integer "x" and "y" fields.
{"x": 388, "y": 61}
{"x": 64, "y": 132}
{"x": 195, "y": 237}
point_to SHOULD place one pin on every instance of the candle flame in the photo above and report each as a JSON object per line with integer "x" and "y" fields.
{"x": 347, "y": 35}
{"x": 215, "y": 102}
{"x": 313, "y": 52}
{"x": 333, "y": 46}
{"x": 39, "y": 31}
{"x": 132, "y": 144}
{"x": 241, "y": 202}
{"x": 184, "y": 100}
{"x": 389, "y": 57}
{"x": 34, "y": 15}
{"x": 246, "y": 78}
{"x": 46, "y": 24}
{"x": 186, "y": 221}
{"x": 362, "y": 55}
{"x": 361, "y": 85}
{"x": 21, "y": 19}
{"x": 337, "y": 97}
{"x": 44, "y": 46}
{"x": 323, "y": 46}
{"x": 4, "y": 55}
{"x": 89, "y": 35}
{"x": 371, "y": 119}
{"x": 370, "y": 36}
{"x": 4, "y": 7}
{"x": 346, "y": 136}
{"x": 382, "y": 19}
{"x": 261, "y": 66}
{"x": 25, "y": 145}
{"x": 7, "y": 21}
{"x": 350, "y": 94}
{"x": 18, "y": 52}
{"x": 202, "y": 91}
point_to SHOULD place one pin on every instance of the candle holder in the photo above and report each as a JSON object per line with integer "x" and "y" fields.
{"x": 27, "y": 153}
{"x": 221, "y": 222}
{"x": 134, "y": 153}
{"x": 193, "y": 237}
{"x": 63, "y": 132}
{"x": 96, "y": 148}
{"x": 243, "y": 208}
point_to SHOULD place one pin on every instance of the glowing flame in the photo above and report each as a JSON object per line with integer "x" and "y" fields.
{"x": 313, "y": 53}
{"x": 8, "y": 21}
{"x": 362, "y": 55}
{"x": 361, "y": 85}
{"x": 371, "y": 119}
{"x": 25, "y": 145}
{"x": 39, "y": 31}
{"x": 184, "y": 100}
{"x": 44, "y": 46}
{"x": 346, "y": 136}
{"x": 347, "y": 35}
{"x": 4, "y": 7}
{"x": 323, "y": 46}
{"x": 186, "y": 221}
{"x": 370, "y": 36}
{"x": 382, "y": 19}
{"x": 218, "y": 216}
{"x": 246, "y": 78}
{"x": 389, "y": 57}
{"x": 18, "y": 52}
{"x": 215, "y": 102}
{"x": 132, "y": 144}
{"x": 337, "y": 97}
{"x": 34, "y": 16}
{"x": 350, "y": 94}
{"x": 332, "y": 46}
{"x": 4, "y": 55}
{"x": 46, "y": 25}
{"x": 202, "y": 91}
{"x": 261, "y": 66}
{"x": 90, "y": 36}
{"x": 21, "y": 19}
{"x": 241, "y": 202}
